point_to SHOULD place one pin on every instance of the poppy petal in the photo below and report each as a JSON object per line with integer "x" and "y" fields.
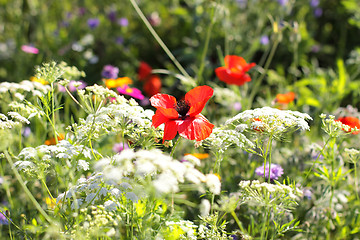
{"x": 229, "y": 77}
{"x": 163, "y": 100}
{"x": 144, "y": 71}
{"x": 169, "y": 113}
{"x": 232, "y": 61}
{"x": 197, "y": 127}
{"x": 152, "y": 85}
{"x": 170, "y": 130}
{"x": 197, "y": 99}
{"x": 158, "y": 118}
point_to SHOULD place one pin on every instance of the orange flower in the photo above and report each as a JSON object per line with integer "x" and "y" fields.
{"x": 198, "y": 155}
{"x": 285, "y": 98}
{"x": 52, "y": 141}
{"x": 352, "y": 122}
{"x": 39, "y": 80}
{"x": 234, "y": 71}
{"x": 119, "y": 82}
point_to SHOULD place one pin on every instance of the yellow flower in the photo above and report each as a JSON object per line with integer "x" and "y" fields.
{"x": 199, "y": 155}
{"x": 50, "y": 202}
{"x": 119, "y": 82}
{"x": 39, "y": 80}
{"x": 219, "y": 177}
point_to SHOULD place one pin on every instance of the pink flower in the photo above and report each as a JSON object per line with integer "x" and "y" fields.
{"x": 132, "y": 92}
{"x": 29, "y": 49}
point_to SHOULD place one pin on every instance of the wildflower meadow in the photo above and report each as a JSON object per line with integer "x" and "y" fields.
{"x": 179, "y": 119}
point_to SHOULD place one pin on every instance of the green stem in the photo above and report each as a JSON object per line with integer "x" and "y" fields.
{"x": 46, "y": 187}
{"x": 53, "y": 112}
{"x": 326, "y": 143}
{"x": 173, "y": 149}
{"x": 26, "y": 190}
{"x": 158, "y": 39}
{"x": 259, "y": 80}
{"x": 356, "y": 182}
{"x": 206, "y": 46}
{"x": 237, "y": 220}
{"x": 265, "y": 156}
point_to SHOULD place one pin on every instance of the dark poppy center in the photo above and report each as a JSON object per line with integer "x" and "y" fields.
{"x": 182, "y": 107}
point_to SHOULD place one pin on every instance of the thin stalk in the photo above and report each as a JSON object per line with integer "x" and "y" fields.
{"x": 237, "y": 220}
{"x": 53, "y": 112}
{"x": 206, "y": 47}
{"x": 26, "y": 190}
{"x": 46, "y": 187}
{"x": 265, "y": 156}
{"x": 356, "y": 181}
{"x": 158, "y": 39}
{"x": 259, "y": 80}
{"x": 326, "y": 143}
{"x": 173, "y": 149}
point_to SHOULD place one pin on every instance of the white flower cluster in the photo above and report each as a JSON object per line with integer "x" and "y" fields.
{"x": 220, "y": 139}
{"x": 24, "y": 87}
{"x": 16, "y": 120}
{"x": 165, "y": 172}
{"x": 96, "y": 190}
{"x": 43, "y": 156}
{"x": 98, "y": 91}
{"x": 114, "y": 118}
{"x": 27, "y": 109}
{"x": 271, "y": 120}
{"x": 278, "y": 193}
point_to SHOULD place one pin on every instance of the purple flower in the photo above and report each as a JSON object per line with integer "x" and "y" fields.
{"x": 124, "y": 22}
{"x": 82, "y": 11}
{"x": 93, "y": 22}
{"x": 29, "y": 49}
{"x": 282, "y": 2}
{"x": 71, "y": 86}
{"x": 112, "y": 16}
{"x": 237, "y": 106}
{"x": 276, "y": 171}
{"x": 307, "y": 193}
{"x": 119, "y": 40}
{"x": 119, "y": 147}
{"x": 264, "y": 40}
{"x": 318, "y": 12}
{"x": 109, "y": 71}
{"x": 3, "y": 219}
{"x": 314, "y": 3}
{"x": 26, "y": 131}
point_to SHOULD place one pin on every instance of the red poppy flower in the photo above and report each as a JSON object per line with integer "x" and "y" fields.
{"x": 152, "y": 83}
{"x": 285, "y": 98}
{"x": 183, "y": 116}
{"x": 352, "y": 122}
{"x": 234, "y": 71}
{"x": 144, "y": 71}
